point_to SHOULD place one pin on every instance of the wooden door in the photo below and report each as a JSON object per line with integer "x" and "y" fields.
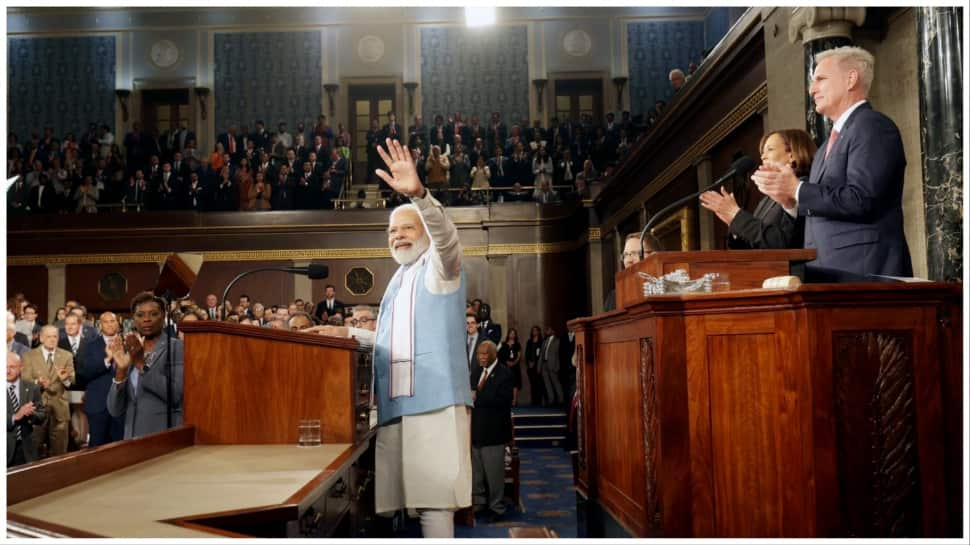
{"x": 367, "y": 102}
{"x": 578, "y": 97}
{"x": 164, "y": 109}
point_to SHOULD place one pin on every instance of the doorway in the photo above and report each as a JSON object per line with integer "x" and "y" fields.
{"x": 163, "y": 109}
{"x": 578, "y": 97}
{"x": 367, "y": 102}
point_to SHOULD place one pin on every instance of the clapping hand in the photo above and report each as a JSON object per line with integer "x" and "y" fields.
{"x": 116, "y": 351}
{"x": 404, "y": 176}
{"x": 63, "y": 373}
{"x": 24, "y": 410}
{"x": 723, "y": 204}
{"x": 778, "y": 181}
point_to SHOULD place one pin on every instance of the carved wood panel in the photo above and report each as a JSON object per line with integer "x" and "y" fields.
{"x": 876, "y": 434}
{"x": 651, "y": 435}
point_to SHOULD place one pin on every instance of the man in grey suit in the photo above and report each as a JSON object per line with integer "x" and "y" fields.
{"x": 139, "y": 388}
{"x": 24, "y": 411}
{"x": 853, "y": 199}
{"x": 549, "y": 363}
{"x": 473, "y": 338}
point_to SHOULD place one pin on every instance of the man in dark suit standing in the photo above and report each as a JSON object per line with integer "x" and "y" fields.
{"x": 853, "y": 199}
{"x": 473, "y": 338}
{"x": 492, "y": 387}
{"x": 486, "y": 326}
{"x": 232, "y": 143}
{"x": 329, "y": 305}
{"x": 97, "y": 368}
{"x": 24, "y": 411}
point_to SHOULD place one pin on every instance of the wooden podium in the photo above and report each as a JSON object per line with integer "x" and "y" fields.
{"x": 830, "y": 410}
{"x": 233, "y": 468}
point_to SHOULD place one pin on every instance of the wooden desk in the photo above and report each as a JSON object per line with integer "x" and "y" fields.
{"x": 234, "y": 468}
{"x": 832, "y": 410}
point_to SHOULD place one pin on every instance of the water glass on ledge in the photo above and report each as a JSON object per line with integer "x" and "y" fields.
{"x": 308, "y": 433}
{"x": 720, "y": 282}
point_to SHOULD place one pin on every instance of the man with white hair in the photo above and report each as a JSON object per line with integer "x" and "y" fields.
{"x": 677, "y": 79}
{"x": 423, "y": 455}
{"x": 25, "y": 410}
{"x": 853, "y": 198}
{"x": 12, "y": 344}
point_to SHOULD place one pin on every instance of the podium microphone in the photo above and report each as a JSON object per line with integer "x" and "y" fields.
{"x": 315, "y": 271}
{"x": 741, "y": 165}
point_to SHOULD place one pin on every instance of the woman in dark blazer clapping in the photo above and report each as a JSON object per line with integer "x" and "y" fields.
{"x": 769, "y": 226}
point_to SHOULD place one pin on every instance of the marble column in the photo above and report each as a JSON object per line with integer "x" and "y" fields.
{"x": 302, "y": 285}
{"x": 939, "y": 33}
{"x": 821, "y": 29}
{"x": 56, "y": 289}
{"x": 706, "y": 218}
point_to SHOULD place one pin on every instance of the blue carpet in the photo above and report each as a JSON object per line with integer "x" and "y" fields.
{"x": 547, "y": 494}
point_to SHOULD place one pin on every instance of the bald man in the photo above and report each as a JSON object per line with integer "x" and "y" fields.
{"x": 53, "y": 369}
{"x": 97, "y": 368}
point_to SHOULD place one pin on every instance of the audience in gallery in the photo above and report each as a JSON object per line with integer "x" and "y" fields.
{"x": 476, "y": 163}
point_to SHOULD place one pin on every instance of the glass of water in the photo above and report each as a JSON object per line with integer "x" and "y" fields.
{"x": 308, "y": 433}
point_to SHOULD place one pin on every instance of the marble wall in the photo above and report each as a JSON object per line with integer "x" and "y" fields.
{"x": 64, "y": 83}
{"x": 475, "y": 72}
{"x": 895, "y": 92}
{"x": 273, "y": 76}
{"x": 655, "y": 48}
{"x": 939, "y": 35}
{"x": 785, "y": 69}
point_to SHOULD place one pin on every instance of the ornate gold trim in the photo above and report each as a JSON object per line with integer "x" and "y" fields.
{"x": 681, "y": 219}
{"x": 593, "y": 234}
{"x": 749, "y": 106}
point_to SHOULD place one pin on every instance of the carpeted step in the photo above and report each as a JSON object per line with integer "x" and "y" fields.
{"x": 539, "y": 428}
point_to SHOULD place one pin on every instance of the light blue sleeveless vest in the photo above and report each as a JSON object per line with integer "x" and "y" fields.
{"x": 440, "y": 364}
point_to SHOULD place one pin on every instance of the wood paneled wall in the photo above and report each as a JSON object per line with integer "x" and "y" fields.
{"x": 541, "y": 251}
{"x": 32, "y": 282}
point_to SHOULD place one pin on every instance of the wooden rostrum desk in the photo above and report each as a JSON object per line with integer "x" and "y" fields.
{"x": 233, "y": 468}
{"x": 830, "y": 410}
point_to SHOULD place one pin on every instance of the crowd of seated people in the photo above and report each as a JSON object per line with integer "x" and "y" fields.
{"x": 80, "y": 348}
{"x": 463, "y": 163}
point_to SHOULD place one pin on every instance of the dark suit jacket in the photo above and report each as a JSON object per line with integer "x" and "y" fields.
{"x": 49, "y": 201}
{"x": 96, "y": 375}
{"x": 768, "y": 228}
{"x": 322, "y": 306}
{"x": 473, "y": 358}
{"x": 491, "y": 330}
{"x": 28, "y": 392}
{"x": 492, "y": 414}
{"x": 224, "y": 140}
{"x": 853, "y": 202}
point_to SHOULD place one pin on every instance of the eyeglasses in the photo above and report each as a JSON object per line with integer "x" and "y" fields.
{"x": 361, "y": 321}
{"x": 647, "y": 253}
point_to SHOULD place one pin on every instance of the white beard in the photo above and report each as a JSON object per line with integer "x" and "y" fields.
{"x": 410, "y": 255}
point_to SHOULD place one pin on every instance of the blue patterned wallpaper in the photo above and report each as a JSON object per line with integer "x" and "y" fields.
{"x": 655, "y": 48}
{"x": 271, "y": 76}
{"x": 716, "y": 25}
{"x": 64, "y": 83}
{"x": 475, "y": 71}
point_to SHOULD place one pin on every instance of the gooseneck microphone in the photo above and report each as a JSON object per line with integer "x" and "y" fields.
{"x": 742, "y": 165}
{"x": 315, "y": 271}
